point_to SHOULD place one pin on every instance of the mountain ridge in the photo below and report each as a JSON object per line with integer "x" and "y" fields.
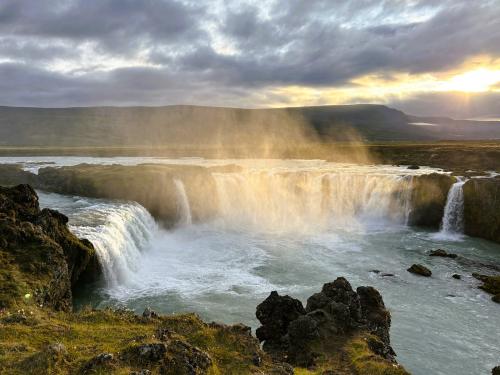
{"x": 191, "y": 124}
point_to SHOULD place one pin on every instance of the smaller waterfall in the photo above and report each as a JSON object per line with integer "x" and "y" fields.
{"x": 453, "y": 217}
{"x": 183, "y": 208}
{"x": 122, "y": 232}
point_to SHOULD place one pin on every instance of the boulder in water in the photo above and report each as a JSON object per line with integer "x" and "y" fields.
{"x": 491, "y": 284}
{"x": 495, "y": 370}
{"x": 413, "y": 167}
{"x": 456, "y": 276}
{"x": 442, "y": 253}
{"x": 419, "y": 269}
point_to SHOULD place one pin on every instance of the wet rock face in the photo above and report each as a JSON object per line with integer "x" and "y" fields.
{"x": 482, "y": 208}
{"x": 289, "y": 331}
{"x": 41, "y": 258}
{"x": 428, "y": 199}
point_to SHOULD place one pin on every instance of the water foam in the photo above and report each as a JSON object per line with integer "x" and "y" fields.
{"x": 119, "y": 232}
{"x": 452, "y": 224}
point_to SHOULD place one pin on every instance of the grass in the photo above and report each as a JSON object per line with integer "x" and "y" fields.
{"x": 26, "y": 335}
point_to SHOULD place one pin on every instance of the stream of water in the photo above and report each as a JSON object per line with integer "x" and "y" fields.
{"x": 292, "y": 232}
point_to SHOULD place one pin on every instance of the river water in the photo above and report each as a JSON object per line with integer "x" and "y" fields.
{"x": 279, "y": 232}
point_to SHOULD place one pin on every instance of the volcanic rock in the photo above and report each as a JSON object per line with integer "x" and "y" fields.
{"x": 442, "y": 253}
{"x": 336, "y": 313}
{"x": 419, "y": 269}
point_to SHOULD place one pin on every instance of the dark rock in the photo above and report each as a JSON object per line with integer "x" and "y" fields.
{"x": 99, "y": 361}
{"x": 13, "y": 174}
{"x": 51, "y": 260}
{"x": 495, "y": 370}
{"x": 333, "y": 314}
{"x": 275, "y": 314}
{"x": 387, "y": 275}
{"x": 301, "y": 332}
{"x": 149, "y": 314}
{"x": 442, "y": 253}
{"x": 184, "y": 358}
{"x": 419, "y": 269}
{"x": 375, "y": 271}
{"x": 428, "y": 199}
{"x": 413, "y": 167}
{"x": 257, "y": 359}
{"x": 373, "y": 311}
{"x": 456, "y": 276}
{"x": 482, "y": 208}
{"x": 491, "y": 285}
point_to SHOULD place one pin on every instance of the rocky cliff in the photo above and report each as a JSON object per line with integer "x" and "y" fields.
{"x": 41, "y": 259}
{"x": 482, "y": 208}
{"x": 429, "y": 199}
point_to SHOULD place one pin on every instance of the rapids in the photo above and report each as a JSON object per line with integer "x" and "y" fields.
{"x": 291, "y": 226}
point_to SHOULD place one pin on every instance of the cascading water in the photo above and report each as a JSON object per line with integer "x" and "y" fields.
{"x": 303, "y": 201}
{"x": 122, "y": 232}
{"x": 453, "y": 217}
{"x": 183, "y": 208}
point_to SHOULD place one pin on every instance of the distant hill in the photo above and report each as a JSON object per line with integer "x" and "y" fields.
{"x": 129, "y": 126}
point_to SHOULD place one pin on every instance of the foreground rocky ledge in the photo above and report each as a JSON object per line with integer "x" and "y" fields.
{"x": 339, "y": 332}
{"x": 41, "y": 260}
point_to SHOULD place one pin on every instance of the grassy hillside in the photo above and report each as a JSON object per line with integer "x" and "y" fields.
{"x": 192, "y": 125}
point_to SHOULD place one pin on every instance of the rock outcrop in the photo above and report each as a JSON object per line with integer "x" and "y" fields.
{"x": 442, "y": 253}
{"x": 41, "y": 259}
{"x": 428, "y": 199}
{"x": 491, "y": 285}
{"x": 482, "y": 208}
{"x": 331, "y": 318}
{"x": 419, "y": 269}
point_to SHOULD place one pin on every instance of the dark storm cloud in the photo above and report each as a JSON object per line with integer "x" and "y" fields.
{"x": 222, "y": 52}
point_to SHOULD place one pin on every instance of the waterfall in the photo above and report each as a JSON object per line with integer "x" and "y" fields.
{"x": 119, "y": 232}
{"x": 183, "y": 208}
{"x": 453, "y": 217}
{"x": 310, "y": 200}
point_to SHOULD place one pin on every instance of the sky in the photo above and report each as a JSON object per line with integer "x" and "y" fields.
{"x": 426, "y": 57}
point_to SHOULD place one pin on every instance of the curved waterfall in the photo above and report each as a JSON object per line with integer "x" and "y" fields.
{"x": 453, "y": 217}
{"x": 119, "y": 231}
{"x": 284, "y": 201}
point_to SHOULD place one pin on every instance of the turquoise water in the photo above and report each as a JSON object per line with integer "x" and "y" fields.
{"x": 440, "y": 325}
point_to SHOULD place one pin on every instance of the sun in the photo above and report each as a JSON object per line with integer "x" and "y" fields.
{"x": 479, "y": 80}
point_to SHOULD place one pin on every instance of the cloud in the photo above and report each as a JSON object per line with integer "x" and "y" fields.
{"x": 239, "y": 52}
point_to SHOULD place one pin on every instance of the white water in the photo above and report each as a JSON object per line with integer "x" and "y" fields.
{"x": 354, "y": 219}
{"x": 453, "y": 217}
{"x": 183, "y": 208}
{"x": 118, "y": 230}
{"x": 309, "y": 201}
